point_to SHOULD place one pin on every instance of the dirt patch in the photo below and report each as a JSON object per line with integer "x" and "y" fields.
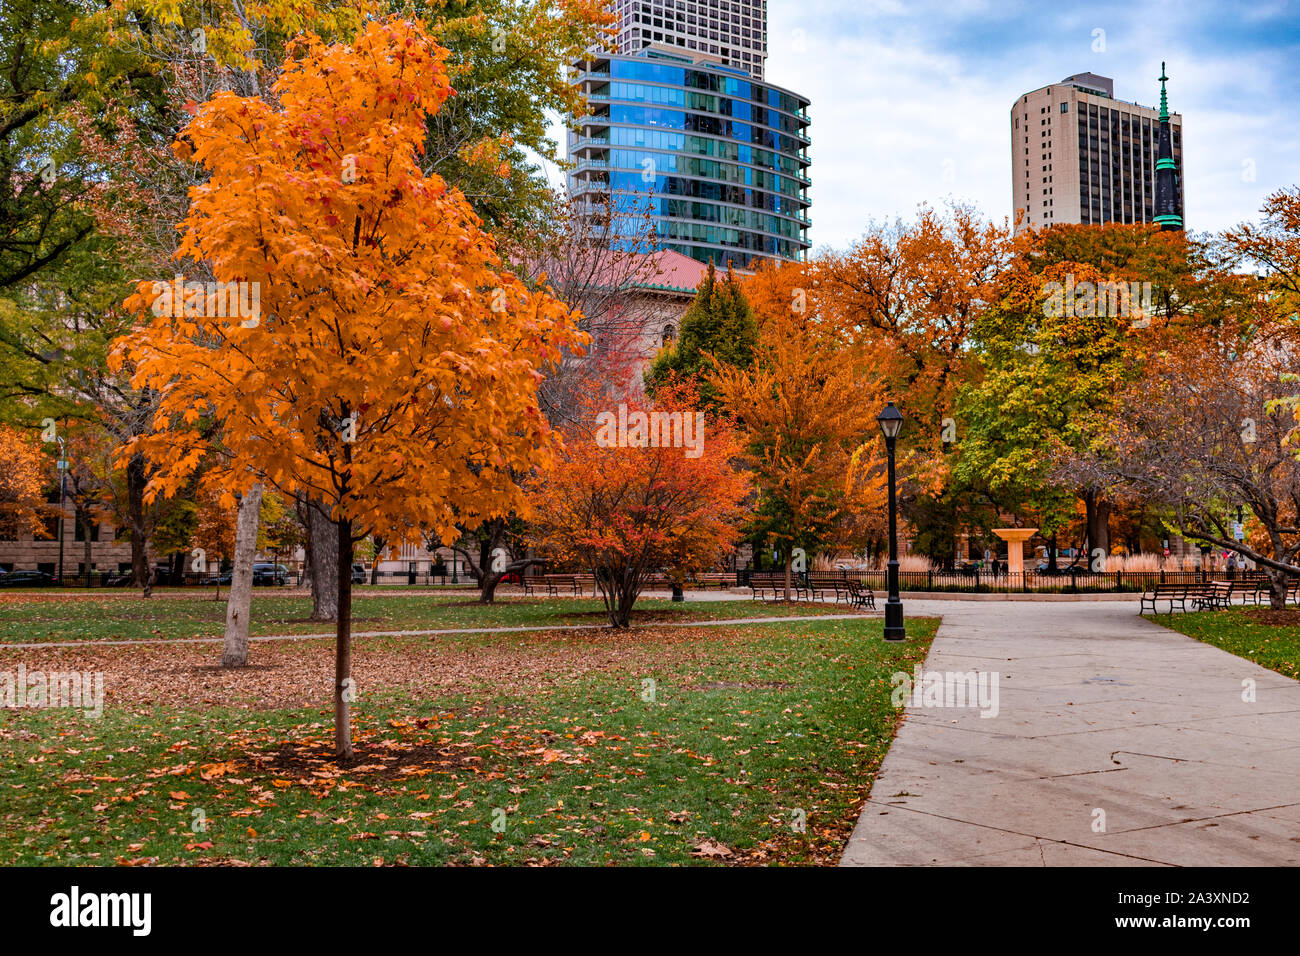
{"x": 1267, "y": 615}
{"x": 295, "y": 674}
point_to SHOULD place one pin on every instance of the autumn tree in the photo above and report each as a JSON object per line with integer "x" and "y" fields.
{"x": 805, "y": 415}
{"x": 64, "y": 64}
{"x": 1273, "y": 244}
{"x": 379, "y": 377}
{"x": 1272, "y": 250}
{"x": 907, "y": 295}
{"x": 593, "y": 258}
{"x": 492, "y": 552}
{"x": 1067, "y": 327}
{"x": 1203, "y": 432}
{"x": 22, "y": 484}
{"x": 507, "y": 61}
{"x": 718, "y": 327}
{"x": 1050, "y": 376}
{"x": 640, "y": 489}
{"x": 596, "y": 257}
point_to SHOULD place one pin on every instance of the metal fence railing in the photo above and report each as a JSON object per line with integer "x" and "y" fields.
{"x": 1066, "y": 581}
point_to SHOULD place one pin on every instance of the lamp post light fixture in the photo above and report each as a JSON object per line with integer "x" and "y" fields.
{"x": 891, "y": 420}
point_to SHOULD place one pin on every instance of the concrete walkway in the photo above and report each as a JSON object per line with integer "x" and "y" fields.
{"x": 1117, "y": 743}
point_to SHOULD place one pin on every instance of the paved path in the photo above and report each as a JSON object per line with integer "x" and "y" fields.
{"x": 1099, "y": 710}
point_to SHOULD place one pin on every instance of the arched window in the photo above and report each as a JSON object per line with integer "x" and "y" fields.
{"x": 670, "y": 333}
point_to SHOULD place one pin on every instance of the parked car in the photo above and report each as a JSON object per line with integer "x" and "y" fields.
{"x": 26, "y": 579}
{"x": 359, "y": 574}
{"x": 266, "y": 573}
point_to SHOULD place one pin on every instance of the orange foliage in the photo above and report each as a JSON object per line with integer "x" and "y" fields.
{"x": 623, "y": 510}
{"x": 22, "y": 481}
{"x": 392, "y": 371}
{"x": 382, "y": 360}
{"x": 806, "y": 416}
{"x": 907, "y": 296}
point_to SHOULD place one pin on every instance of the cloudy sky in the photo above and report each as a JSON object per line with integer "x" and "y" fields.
{"x": 910, "y": 100}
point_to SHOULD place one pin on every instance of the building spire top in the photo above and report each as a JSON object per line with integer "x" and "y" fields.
{"x": 1164, "y": 98}
{"x": 1168, "y": 207}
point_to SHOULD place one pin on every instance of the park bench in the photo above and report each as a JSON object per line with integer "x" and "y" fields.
{"x": 569, "y": 582}
{"x": 820, "y": 584}
{"x": 1213, "y": 596}
{"x": 774, "y": 581}
{"x": 1172, "y": 593}
{"x": 1247, "y": 589}
{"x": 723, "y": 580}
{"x": 861, "y": 595}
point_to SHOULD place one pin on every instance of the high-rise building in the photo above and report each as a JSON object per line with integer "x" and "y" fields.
{"x": 1078, "y": 155}
{"x": 716, "y": 159}
{"x": 683, "y": 128}
{"x": 732, "y": 31}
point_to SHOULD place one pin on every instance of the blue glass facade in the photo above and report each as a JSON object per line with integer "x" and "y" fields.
{"x": 720, "y": 160}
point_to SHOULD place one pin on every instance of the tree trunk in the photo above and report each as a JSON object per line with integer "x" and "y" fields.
{"x": 135, "y": 482}
{"x": 1278, "y": 581}
{"x": 235, "y": 651}
{"x": 85, "y": 533}
{"x": 379, "y": 543}
{"x": 344, "y": 691}
{"x": 488, "y": 586}
{"x": 789, "y": 560}
{"x": 626, "y": 598}
{"x": 1098, "y": 513}
{"x": 1051, "y": 553}
{"x": 326, "y": 569}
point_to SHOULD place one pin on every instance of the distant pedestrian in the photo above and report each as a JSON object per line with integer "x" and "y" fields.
{"x": 997, "y": 567}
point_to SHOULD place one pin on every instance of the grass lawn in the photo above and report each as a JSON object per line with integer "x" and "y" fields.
{"x": 1269, "y": 638}
{"x": 727, "y": 744}
{"x": 29, "y": 617}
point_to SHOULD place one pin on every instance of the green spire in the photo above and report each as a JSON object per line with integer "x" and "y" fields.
{"x": 1164, "y": 99}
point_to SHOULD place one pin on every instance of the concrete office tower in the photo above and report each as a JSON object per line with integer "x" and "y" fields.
{"x": 1078, "y": 155}
{"x": 733, "y": 32}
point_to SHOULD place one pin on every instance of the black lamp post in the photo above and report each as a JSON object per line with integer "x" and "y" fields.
{"x": 891, "y": 420}
{"x": 63, "y": 484}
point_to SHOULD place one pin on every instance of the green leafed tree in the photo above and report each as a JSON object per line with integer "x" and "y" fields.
{"x": 507, "y": 62}
{"x": 719, "y": 325}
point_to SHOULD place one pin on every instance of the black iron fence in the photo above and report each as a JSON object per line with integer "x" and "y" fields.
{"x": 190, "y": 579}
{"x": 1066, "y": 581}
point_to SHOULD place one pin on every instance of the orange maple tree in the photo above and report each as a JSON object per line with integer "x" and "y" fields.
{"x": 805, "y": 414}
{"x": 907, "y": 296}
{"x": 22, "y": 483}
{"x": 392, "y": 372}
{"x": 624, "y": 509}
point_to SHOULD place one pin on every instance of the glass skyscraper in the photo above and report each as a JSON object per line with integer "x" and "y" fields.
{"x": 717, "y": 158}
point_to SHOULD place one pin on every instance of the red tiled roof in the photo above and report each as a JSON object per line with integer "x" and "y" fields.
{"x": 672, "y": 271}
